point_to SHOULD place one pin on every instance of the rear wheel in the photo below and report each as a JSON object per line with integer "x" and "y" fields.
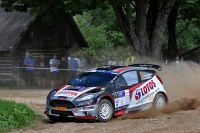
{"x": 159, "y": 102}
{"x": 105, "y": 110}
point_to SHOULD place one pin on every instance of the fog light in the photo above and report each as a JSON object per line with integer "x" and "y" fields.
{"x": 87, "y": 113}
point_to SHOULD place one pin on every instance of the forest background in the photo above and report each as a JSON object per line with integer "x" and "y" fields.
{"x": 103, "y": 34}
{"x": 158, "y": 29}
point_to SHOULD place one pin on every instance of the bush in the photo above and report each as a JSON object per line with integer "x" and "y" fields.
{"x": 15, "y": 115}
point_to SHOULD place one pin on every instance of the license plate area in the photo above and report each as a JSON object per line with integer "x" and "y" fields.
{"x": 61, "y": 108}
{"x": 61, "y": 113}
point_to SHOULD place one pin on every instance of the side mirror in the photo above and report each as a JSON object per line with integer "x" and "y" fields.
{"x": 125, "y": 86}
{"x": 129, "y": 85}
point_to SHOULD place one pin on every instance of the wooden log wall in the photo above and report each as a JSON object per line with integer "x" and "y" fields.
{"x": 6, "y": 66}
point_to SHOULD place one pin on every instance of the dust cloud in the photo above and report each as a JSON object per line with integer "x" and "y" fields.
{"x": 182, "y": 83}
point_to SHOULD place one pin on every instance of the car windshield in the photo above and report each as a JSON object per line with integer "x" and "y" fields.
{"x": 92, "y": 79}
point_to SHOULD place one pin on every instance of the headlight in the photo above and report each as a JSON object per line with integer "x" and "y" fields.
{"x": 86, "y": 97}
{"x": 50, "y": 95}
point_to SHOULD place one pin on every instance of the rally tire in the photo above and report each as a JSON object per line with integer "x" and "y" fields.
{"x": 105, "y": 110}
{"x": 159, "y": 102}
{"x": 54, "y": 118}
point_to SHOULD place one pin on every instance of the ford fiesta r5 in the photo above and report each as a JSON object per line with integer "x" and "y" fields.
{"x": 107, "y": 91}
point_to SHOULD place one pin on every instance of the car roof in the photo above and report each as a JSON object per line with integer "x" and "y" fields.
{"x": 116, "y": 69}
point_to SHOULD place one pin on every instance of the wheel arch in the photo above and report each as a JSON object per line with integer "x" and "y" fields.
{"x": 165, "y": 95}
{"x": 107, "y": 97}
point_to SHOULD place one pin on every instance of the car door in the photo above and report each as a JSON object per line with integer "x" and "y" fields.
{"x": 121, "y": 92}
{"x": 118, "y": 92}
{"x": 132, "y": 79}
{"x": 140, "y": 92}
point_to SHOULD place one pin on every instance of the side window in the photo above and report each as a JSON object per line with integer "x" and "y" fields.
{"x": 145, "y": 75}
{"x": 120, "y": 82}
{"x": 131, "y": 77}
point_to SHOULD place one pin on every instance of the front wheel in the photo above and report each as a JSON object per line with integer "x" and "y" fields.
{"x": 105, "y": 111}
{"x": 159, "y": 102}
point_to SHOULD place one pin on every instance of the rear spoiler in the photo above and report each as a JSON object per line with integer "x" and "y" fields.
{"x": 147, "y": 65}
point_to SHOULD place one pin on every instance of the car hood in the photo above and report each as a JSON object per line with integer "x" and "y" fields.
{"x": 75, "y": 91}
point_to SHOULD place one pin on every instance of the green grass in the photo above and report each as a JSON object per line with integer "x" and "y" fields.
{"x": 15, "y": 116}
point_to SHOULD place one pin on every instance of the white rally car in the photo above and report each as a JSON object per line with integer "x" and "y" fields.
{"x": 107, "y": 91}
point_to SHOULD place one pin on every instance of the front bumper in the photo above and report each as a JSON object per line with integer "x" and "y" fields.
{"x": 86, "y": 113}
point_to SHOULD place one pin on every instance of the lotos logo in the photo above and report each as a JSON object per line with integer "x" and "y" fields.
{"x": 145, "y": 89}
{"x": 137, "y": 95}
{"x": 69, "y": 93}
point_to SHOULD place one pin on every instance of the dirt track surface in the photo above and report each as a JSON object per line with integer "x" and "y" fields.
{"x": 182, "y": 114}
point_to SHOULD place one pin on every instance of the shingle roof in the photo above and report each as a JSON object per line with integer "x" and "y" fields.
{"x": 12, "y": 26}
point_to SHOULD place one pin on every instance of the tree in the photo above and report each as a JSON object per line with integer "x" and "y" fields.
{"x": 142, "y": 40}
{"x": 146, "y": 41}
{"x": 183, "y": 10}
{"x": 95, "y": 22}
{"x": 102, "y": 33}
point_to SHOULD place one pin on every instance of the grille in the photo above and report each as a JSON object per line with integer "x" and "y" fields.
{"x": 62, "y": 103}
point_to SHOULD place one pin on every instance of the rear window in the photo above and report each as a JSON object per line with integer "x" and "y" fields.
{"x": 145, "y": 75}
{"x": 131, "y": 77}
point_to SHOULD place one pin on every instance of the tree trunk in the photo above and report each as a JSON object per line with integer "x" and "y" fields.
{"x": 159, "y": 28}
{"x": 127, "y": 29}
{"x": 151, "y": 16}
{"x": 137, "y": 38}
{"x": 140, "y": 28}
{"x": 171, "y": 23}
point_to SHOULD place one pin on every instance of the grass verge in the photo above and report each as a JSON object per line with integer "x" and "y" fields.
{"x": 15, "y": 115}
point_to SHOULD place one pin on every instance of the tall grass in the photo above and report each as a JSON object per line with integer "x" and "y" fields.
{"x": 15, "y": 115}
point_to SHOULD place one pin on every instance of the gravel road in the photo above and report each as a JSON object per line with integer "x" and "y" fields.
{"x": 182, "y": 114}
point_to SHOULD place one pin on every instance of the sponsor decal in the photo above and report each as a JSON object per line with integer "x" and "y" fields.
{"x": 120, "y": 108}
{"x": 144, "y": 90}
{"x": 72, "y": 86}
{"x": 62, "y": 98}
{"x": 120, "y": 94}
{"x": 115, "y": 96}
{"x": 67, "y": 92}
{"x": 149, "y": 95}
{"x": 80, "y": 88}
{"x": 122, "y": 98}
{"x": 138, "y": 95}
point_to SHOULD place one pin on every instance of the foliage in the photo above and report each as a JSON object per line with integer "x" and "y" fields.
{"x": 108, "y": 52}
{"x": 189, "y": 38}
{"x": 15, "y": 115}
{"x": 187, "y": 27}
{"x": 100, "y": 30}
{"x": 189, "y": 18}
{"x": 134, "y": 31}
{"x": 59, "y": 8}
{"x": 102, "y": 22}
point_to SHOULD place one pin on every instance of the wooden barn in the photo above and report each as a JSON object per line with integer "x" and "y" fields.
{"x": 191, "y": 55}
{"x": 21, "y": 33}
